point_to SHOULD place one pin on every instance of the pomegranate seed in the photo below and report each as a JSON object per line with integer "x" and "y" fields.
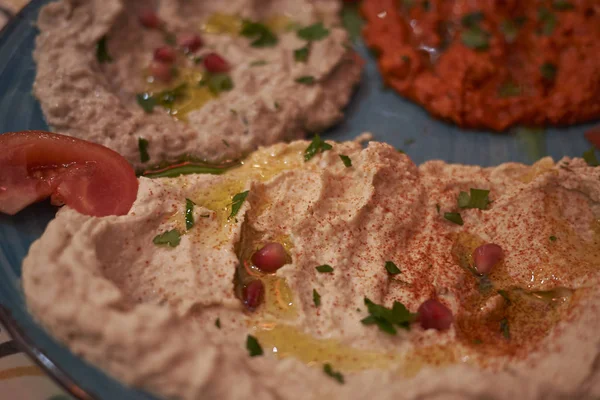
{"x": 434, "y": 315}
{"x": 165, "y": 54}
{"x": 215, "y": 63}
{"x": 486, "y": 257}
{"x": 161, "y": 71}
{"x": 190, "y": 42}
{"x": 270, "y": 257}
{"x": 253, "y": 294}
{"x": 149, "y": 19}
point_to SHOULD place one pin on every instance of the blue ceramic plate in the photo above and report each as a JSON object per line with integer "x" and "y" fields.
{"x": 382, "y": 112}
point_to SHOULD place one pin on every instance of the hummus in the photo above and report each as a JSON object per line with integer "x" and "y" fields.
{"x": 95, "y": 74}
{"x": 153, "y": 297}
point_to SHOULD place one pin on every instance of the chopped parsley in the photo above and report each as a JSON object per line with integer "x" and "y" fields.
{"x": 552, "y": 238}
{"x": 254, "y": 348}
{"x": 562, "y": 5}
{"x": 351, "y": 20}
{"x": 504, "y": 328}
{"x": 317, "y": 145}
{"x": 218, "y": 323}
{"x": 472, "y": 19}
{"x": 301, "y": 54}
{"x": 170, "y": 38}
{"x": 225, "y": 142}
{"x": 258, "y": 63}
{"x": 437, "y": 207}
{"x": 189, "y": 214}
{"x": 346, "y": 160}
{"x": 324, "y": 268}
{"x": 143, "y": 148}
{"x": 509, "y": 89}
{"x": 426, "y": 5}
{"x": 217, "y": 83}
{"x": 475, "y": 38}
{"x": 510, "y": 30}
{"x": 306, "y": 80}
{"x": 548, "y": 71}
{"x": 146, "y": 101}
{"x": 237, "y": 202}
{"x": 547, "y": 20}
{"x": 504, "y": 295}
{"x": 171, "y": 238}
{"x": 101, "y": 51}
{"x": 165, "y": 99}
{"x": 454, "y": 217}
{"x": 198, "y": 60}
{"x": 533, "y": 141}
{"x": 590, "y": 158}
{"x": 316, "y": 298}
{"x": 392, "y": 268}
{"x": 478, "y": 198}
{"x": 334, "y": 374}
{"x": 313, "y": 32}
{"x": 260, "y": 34}
{"x": 386, "y": 318}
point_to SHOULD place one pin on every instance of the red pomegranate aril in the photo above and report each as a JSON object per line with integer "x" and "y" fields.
{"x": 434, "y": 315}
{"x": 165, "y": 54}
{"x": 486, "y": 257}
{"x": 253, "y": 294}
{"x": 215, "y": 63}
{"x": 149, "y": 19}
{"x": 190, "y": 42}
{"x": 161, "y": 71}
{"x": 270, "y": 257}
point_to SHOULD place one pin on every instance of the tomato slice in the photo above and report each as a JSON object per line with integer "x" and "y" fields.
{"x": 87, "y": 177}
{"x": 593, "y": 136}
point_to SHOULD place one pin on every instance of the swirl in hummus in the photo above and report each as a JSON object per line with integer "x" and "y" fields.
{"x": 353, "y": 244}
{"x": 208, "y": 79}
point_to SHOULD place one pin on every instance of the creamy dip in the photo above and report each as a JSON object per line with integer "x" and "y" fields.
{"x": 283, "y": 68}
{"x": 156, "y": 297}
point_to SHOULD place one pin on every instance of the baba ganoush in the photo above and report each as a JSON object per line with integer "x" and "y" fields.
{"x": 328, "y": 270}
{"x": 205, "y": 79}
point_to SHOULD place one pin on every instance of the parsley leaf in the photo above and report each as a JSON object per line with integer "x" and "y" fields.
{"x": 171, "y": 238}
{"x": 316, "y": 146}
{"x": 548, "y": 21}
{"x": 454, "y": 217}
{"x": 590, "y": 158}
{"x": 189, "y": 214}
{"x": 217, "y": 83}
{"x": 101, "y": 52}
{"x": 254, "y": 348}
{"x": 260, "y": 34}
{"x": 548, "y": 71}
{"x": 562, "y": 5}
{"x": 509, "y": 29}
{"x": 478, "y": 198}
{"x": 143, "y": 148}
{"x": 533, "y": 141}
{"x": 509, "y": 89}
{"x": 316, "y": 298}
{"x": 391, "y": 268}
{"x": 237, "y": 202}
{"x": 335, "y": 375}
{"x": 504, "y": 328}
{"x": 475, "y": 38}
{"x": 146, "y": 101}
{"x": 301, "y": 54}
{"x": 351, "y": 20}
{"x": 386, "y": 318}
{"x": 305, "y": 80}
{"x": 313, "y": 32}
{"x": 472, "y": 19}
{"x": 324, "y": 268}
{"x": 218, "y": 323}
{"x": 552, "y": 238}
{"x": 346, "y": 160}
{"x": 165, "y": 99}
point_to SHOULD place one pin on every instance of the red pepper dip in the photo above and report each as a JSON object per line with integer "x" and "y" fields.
{"x": 491, "y": 64}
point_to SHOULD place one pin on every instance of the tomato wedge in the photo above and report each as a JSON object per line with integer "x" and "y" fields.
{"x": 87, "y": 177}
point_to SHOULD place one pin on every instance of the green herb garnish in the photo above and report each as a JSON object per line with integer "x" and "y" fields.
{"x": 217, "y": 83}
{"x": 189, "y": 214}
{"x": 509, "y": 89}
{"x": 391, "y": 268}
{"x": 426, "y": 5}
{"x": 476, "y": 198}
{"x": 346, "y": 160}
{"x": 301, "y": 54}
{"x": 324, "y": 268}
{"x": 171, "y": 238}
{"x": 475, "y": 38}
{"x": 317, "y": 145}
{"x": 335, "y": 375}
{"x": 387, "y": 318}
{"x": 548, "y": 71}
{"x": 472, "y": 19}
{"x": 504, "y": 295}
{"x": 170, "y": 38}
{"x": 218, "y": 323}
{"x": 562, "y": 5}
{"x": 165, "y": 99}
{"x": 313, "y": 32}
{"x": 533, "y": 140}
{"x": 305, "y": 80}
{"x": 509, "y": 29}
{"x": 454, "y": 217}
{"x": 351, "y": 20}
{"x": 547, "y": 20}
{"x": 237, "y": 202}
{"x": 146, "y": 101}
{"x": 316, "y": 298}
{"x": 143, "y": 148}
{"x": 101, "y": 51}
{"x": 253, "y": 346}
{"x": 590, "y": 158}
{"x": 552, "y": 238}
{"x": 260, "y": 34}
{"x": 504, "y": 328}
